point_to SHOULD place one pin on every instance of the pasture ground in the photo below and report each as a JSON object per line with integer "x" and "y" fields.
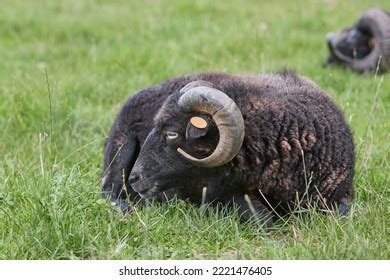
{"x": 67, "y": 67}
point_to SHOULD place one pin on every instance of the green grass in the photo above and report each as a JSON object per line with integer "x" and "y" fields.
{"x": 96, "y": 53}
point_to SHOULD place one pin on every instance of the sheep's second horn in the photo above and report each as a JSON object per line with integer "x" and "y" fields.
{"x": 226, "y": 115}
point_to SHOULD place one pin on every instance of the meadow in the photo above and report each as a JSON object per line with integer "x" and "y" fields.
{"x": 68, "y": 66}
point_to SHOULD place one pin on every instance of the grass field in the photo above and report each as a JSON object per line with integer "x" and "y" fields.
{"x": 66, "y": 68}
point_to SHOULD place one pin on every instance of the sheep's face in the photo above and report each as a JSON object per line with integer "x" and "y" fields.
{"x": 186, "y": 143}
{"x": 160, "y": 166}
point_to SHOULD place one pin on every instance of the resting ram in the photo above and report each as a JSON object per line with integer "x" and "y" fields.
{"x": 263, "y": 143}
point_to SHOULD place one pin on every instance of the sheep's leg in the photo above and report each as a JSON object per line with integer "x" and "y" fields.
{"x": 250, "y": 208}
{"x": 343, "y": 197}
{"x": 343, "y": 209}
{"x": 120, "y": 153}
{"x": 345, "y": 202}
{"x": 343, "y": 205}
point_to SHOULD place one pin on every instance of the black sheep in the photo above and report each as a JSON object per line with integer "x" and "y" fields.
{"x": 266, "y": 143}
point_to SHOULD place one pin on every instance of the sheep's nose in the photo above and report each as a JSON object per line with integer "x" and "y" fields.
{"x": 133, "y": 178}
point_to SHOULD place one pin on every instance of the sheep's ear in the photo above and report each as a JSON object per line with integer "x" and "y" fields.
{"x": 197, "y": 127}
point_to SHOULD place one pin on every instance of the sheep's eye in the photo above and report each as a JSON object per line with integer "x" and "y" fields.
{"x": 172, "y": 135}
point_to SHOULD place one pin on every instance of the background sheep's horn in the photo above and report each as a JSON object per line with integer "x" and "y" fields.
{"x": 226, "y": 115}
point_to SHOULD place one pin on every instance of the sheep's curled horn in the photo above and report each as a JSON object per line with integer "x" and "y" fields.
{"x": 201, "y": 96}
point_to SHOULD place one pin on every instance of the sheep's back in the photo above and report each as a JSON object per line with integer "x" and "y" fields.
{"x": 296, "y": 139}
